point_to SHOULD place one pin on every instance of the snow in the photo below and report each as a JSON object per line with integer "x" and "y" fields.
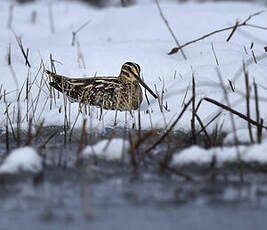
{"x": 116, "y": 35}
{"x": 22, "y": 159}
{"x": 112, "y": 150}
{"x": 195, "y": 154}
{"x": 243, "y": 136}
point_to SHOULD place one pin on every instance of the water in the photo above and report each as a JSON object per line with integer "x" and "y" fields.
{"x": 106, "y": 195}
{"x": 70, "y": 199}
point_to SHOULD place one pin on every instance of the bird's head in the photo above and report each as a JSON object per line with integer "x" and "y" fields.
{"x": 130, "y": 71}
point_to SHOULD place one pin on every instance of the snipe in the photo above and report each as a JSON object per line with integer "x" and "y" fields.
{"x": 111, "y": 93}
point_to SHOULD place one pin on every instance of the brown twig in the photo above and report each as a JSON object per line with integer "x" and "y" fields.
{"x": 7, "y": 131}
{"x": 232, "y": 32}
{"x": 9, "y": 121}
{"x": 214, "y": 54}
{"x": 257, "y": 110}
{"x": 9, "y": 54}
{"x": 18, "y": 130}
{"x": 204, "y": 130}
{"x": 248, "y": 103}
{"x": 256, "y": 26}
{"x": 185, "y": 95}
{"x": 259, "y": 131}
{"x": 193, "y": 110}
{"x": 231, "y": 85}
{"x": 170, "y": 30}
{"x": 233, "y": 112}
{"x": 23, "y": 51}
{"x": 74, "y": 33}
{"x": 170, "y": 128}
{"x": 29, "y": 133}
{"x": 47, "y": 140}
{"x": 254, "y": 57}
{"x": 213, "y": 119}
{"x": 244, "y": 23}
{"x": 144, "y": 138}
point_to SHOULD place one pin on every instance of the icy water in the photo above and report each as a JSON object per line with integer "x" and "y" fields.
{"x": 106, "y": 195}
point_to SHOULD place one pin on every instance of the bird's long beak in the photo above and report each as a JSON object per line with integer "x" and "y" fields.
{"x": 146, "y": 87}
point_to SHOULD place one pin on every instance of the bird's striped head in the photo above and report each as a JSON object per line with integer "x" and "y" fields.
{"x": 131, "y": 72}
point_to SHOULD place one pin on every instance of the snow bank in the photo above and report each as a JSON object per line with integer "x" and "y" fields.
{"x": 243, "y": 136}
{"x": 22, "y": 159}
{"x": 107, "y": 149}
{"x": 198, "y": 155}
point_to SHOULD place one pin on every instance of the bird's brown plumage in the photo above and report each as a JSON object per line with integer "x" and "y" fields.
{"x": 111, "y": 93}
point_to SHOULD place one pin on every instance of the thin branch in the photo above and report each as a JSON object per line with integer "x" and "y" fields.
{"x": 213, "y": 119}
{"x": 233, "y": 112}
{"x": 170, "y": 128}
{"x": 248, "y": 102}
{"x": 244, "y": 23}
{"x": 19, "y": 41}
{"x": 193, "y": 130}
{"x": 215, "y": 56}
{"x": 74, "y": 33}
{"x": 256, "y": 26}
{"x": 170, "y": 30}
{"x": 233, "y": 31}
{"x": 203, "y": 129}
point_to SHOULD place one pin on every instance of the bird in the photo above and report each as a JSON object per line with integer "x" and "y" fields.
{"x": 110, "y": 93}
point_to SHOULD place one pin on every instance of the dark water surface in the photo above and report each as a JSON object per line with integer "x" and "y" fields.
{"x": 106, "y": 195}
{"x": 69, "y": 200}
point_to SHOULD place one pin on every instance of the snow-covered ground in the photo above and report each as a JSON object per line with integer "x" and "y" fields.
{"x": 254, "y": 153}
{"x": 116, "y": 35}
{"x": 21, "y": 160}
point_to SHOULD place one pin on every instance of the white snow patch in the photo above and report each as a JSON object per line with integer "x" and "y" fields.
{"x": 243, "y": 136}
{"x": 22, "y": 159}
{"x": 195, "y": 154}
{"x": 107, "y": 149}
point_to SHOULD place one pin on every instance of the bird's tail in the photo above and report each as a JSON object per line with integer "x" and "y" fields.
{"x": 58, "y": 81}
{"x": 66, "y": 86}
